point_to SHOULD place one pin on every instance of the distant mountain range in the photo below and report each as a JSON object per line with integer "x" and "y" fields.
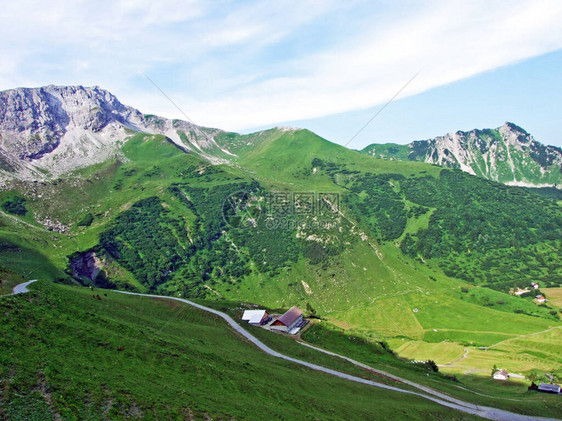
{"x": 49, "y": 131}
{"x": 507, "y": 154}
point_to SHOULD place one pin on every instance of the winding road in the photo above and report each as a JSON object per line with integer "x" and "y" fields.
{"x": 437, "y": 397}
{"x": 22, "y": 288}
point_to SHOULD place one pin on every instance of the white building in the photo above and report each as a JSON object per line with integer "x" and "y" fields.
{"x": 501, "y": 375}
{"x": 549, "y": 388}
{"x": 255, "y": 317}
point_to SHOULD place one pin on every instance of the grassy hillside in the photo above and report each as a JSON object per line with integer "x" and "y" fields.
{"x": 8, "y": 280}
{"x": 387, "y": 250}
{"x": 392, "y": 151}
{"x": 72, "y": 356}
{"x": 513, "y": 395}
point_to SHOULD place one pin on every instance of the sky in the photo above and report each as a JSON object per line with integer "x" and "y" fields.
{"x": 329, "y": 66}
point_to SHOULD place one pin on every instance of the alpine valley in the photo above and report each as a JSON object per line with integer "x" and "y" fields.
{"x": 403, "y": 252}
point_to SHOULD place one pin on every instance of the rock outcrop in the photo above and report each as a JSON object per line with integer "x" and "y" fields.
{"x": 49, "y": 131}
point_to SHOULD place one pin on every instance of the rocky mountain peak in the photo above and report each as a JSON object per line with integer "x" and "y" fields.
{"x": 33, "y": 121}
{"x": 54, "y": 129}
{"x": 78, "y": 102}
{"x": 508, "y": 154}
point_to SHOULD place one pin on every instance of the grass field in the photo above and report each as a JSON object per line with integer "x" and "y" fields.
{"x": 71, "y": 356}
{"x": 475, "y": 386}
{"x": 8, "y": 280}
{"x": 472, "y": 384}
{"x": 554, "y": 298}
{"x": 519, "y": 354}
{"x": 441, "y": 353}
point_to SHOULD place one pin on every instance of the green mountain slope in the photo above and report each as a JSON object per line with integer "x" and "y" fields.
{"x": 382, "y": 248}
{"x": 507, "y": 154}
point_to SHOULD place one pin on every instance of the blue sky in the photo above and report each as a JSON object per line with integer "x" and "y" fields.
{"x": 324, "y": 65}
{"x": 528, "y": 93}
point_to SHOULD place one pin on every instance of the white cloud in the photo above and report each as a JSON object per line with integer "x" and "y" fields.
{"x": 447, "y": 42}
{"x": 237, "y": 65}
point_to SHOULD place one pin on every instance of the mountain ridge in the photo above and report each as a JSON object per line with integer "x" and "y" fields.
{"x": 507, "y": 154}
{"x": 48, "y": 131}
{"x": 51, "y": 130}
